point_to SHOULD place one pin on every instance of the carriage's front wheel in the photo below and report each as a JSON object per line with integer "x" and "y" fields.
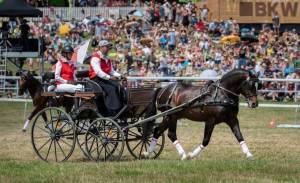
{"x": 53, "y": 135}
{"x": 104, "y": 140}
{"x": 138, "y": 142}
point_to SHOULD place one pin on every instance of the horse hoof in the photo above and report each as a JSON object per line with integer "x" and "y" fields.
{"x": 184, "y": 157}
{"x": 189, "y": 156}
{"x": 250, "y": 157}
{"x": 23, "y": 130}
{"x": 145, "y": 155}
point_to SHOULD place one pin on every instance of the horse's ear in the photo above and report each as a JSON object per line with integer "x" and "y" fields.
{"x": 253, "y": 74}
{"x": 24, "y": 73}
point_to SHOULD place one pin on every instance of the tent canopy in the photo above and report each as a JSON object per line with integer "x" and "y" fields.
{"x": 18, "y": 8}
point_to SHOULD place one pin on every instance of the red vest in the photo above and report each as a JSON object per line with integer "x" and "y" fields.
{"x": 67, "y": 71}
{"x": 104, "y": 65}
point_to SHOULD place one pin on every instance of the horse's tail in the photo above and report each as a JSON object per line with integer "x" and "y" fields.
{"x": 151, "y": 111}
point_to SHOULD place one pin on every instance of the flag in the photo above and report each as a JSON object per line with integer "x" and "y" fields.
{"x": 80, "y": 52}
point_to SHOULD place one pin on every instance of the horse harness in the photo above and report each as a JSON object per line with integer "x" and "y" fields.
{"x": 204, "y": 92}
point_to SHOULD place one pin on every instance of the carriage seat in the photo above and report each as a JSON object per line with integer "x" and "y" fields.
{"x": 82, "y": 74}
{"x": 89, "y": 86}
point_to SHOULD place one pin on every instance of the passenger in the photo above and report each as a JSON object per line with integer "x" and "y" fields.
{"x": 65, "y": 73}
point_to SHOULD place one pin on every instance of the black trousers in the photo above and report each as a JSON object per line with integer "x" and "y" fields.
{"x": 111, "y": 100}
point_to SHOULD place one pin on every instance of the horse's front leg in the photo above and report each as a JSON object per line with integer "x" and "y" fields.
{"x": 235, "y": 128}
{"x": 208, "y": 129}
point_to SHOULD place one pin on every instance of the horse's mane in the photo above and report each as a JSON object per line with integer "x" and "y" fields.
{"x": 186, "y": 84}
{"x": 232, "y": 73}
{"x": 34, "y": 82}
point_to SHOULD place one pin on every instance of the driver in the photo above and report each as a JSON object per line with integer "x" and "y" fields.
{"x": 102, "y": 72}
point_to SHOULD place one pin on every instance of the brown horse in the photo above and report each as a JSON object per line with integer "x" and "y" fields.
{"x": 220, "y": 104}
{"x": 35, "y": 89}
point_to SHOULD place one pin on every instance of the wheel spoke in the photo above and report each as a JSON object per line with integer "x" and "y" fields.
{"x": 51, "y": 119}
{"x": 43, "y": 129}
{"x": 41, "y": 137}
{"x": 55, "y": 150}
{"x": 66, "y": 135}
{"x": 49, "y": 150}
{"x": 141, "y": 149}
{"x": 101, "y": 149}
{"x": 84, "y": 142}
{"x": 133, "y": 133}
{"x": 44, "y": 144}
{"x": 98, "y": 154}
{"x": 92, "y": 144}
{"x": 137, "y": 145}
{"x": 104, "y": 153}
{"x": 63, "y": 127}
{"x": 61, "y": 149}
{"x": 65, "y": 142}
{"x": 57, "y": 120}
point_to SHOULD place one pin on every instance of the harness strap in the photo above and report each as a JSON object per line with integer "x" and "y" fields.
{"x": 171, "y": 94}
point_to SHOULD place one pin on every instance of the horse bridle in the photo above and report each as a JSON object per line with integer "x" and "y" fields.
{"x": 248, "y": 96}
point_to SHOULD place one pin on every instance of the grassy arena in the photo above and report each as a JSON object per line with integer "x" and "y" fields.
{"x": 276, "y": 153}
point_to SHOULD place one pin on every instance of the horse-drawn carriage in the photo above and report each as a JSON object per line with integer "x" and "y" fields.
{"x": 56, "y": 131}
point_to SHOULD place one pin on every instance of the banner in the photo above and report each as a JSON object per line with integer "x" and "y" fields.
{"x": 80, "y": 52}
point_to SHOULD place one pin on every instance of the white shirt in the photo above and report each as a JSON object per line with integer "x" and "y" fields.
{"x": 95, "y": 63}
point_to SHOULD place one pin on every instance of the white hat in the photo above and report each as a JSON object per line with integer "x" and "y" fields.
{"x": 104, "y": 43}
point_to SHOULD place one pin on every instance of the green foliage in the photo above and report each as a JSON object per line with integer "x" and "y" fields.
{"x": 59, "y": 3}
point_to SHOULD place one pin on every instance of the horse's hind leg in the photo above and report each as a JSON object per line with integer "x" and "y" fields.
{"x": 208, "y": 129}
{"x": 32, "y": 114}
{"x": 235, "y": 128}
{"x": 173, "y": 137}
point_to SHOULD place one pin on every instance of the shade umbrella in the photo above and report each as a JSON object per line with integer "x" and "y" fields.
{"x": 132, "y": 24}
{"x": 64, "y": 29}
{"x": 230, "y": 39}
{"x": 209, "y": 73}
{"x": 250, "y": 38}
{"x": 136, "y": 14}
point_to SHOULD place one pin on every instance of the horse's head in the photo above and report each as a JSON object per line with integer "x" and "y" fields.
{"x": 243, "y": 82}
{"x": 24, "y": 81}
{"x": 249, "y": 88}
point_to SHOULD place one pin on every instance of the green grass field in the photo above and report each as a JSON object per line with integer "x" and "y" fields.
{"x": 276, "y": 152}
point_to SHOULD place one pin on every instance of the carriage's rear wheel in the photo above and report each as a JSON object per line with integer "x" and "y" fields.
{"x": 137, "y": 142}
{"x": 53, "y": 135}
{"x": 104, "y": 140}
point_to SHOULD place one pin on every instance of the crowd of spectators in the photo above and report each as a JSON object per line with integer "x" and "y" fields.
{"x": 88, "y": 3}
{"x": 178, "y": 40}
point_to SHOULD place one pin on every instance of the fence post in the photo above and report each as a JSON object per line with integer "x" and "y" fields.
{"x": 295, "y": 91}
{"x": 17, "y": 85}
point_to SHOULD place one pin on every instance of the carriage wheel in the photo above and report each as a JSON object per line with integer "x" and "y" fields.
{"x": 82, "y": 126}
{"x": 53, "y": 135}
{"x": 138, "y": 142}
{"x": 104, "y": 140}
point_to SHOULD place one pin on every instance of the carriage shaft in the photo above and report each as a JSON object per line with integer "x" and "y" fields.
{"x": 168, "y": 112}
